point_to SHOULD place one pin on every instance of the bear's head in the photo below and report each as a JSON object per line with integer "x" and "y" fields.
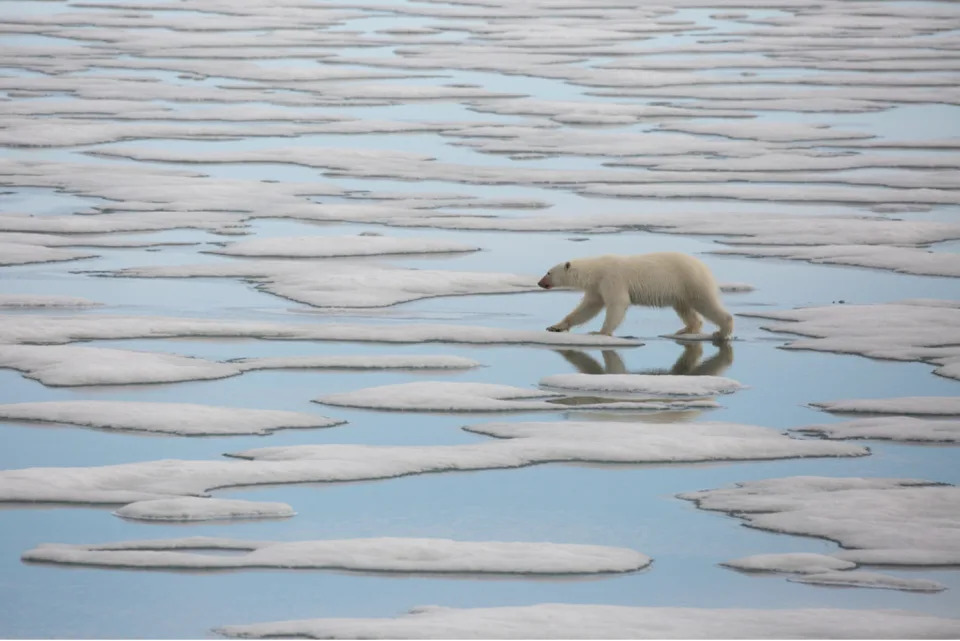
{"x": 558, "y": 276}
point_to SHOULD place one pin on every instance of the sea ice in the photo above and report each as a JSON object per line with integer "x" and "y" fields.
{"x": 893, "y": 428}
{"x": 192, "y": 508}
{"x": 878, "y": 521}
{"x": 330, "y": 246}
{"x": 446, "y": 396}
{"x": 908, "y": 260}
{"x": 796, "y": 562}
{"x": 642, "y": 384}
{"x": 40, "y": 300}
{"x": 578, "y": 621}
{"x": 184, "y": 419}
{"x": 861, "y": 579}
{"x": 920, "y": 405}
{"x": 362, "y": 555}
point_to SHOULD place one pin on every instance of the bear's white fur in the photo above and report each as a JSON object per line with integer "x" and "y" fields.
{"x": 662, "y": 279}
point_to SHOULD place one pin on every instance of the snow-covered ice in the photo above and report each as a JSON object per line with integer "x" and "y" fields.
{"x": 41, "y": 301}
{"x": 185, "y": 419}
{"x": 362, "y": 555}
{"x": 642, "y": 384}
{"x": 892, "y": 428}
{"x": 877, "y": 521}
{"x": 579, "y": 621}
{"x": 516, "y": 445}
{"x": 918, "y": 405}
{"x": 192, "y": 508}
{"x": 446, "y": 396}
{"x": 860, "y": 579}
{"x": 796, "y": 562}
{"x": 332, "y": 246}
{"x": 908, "y": 260}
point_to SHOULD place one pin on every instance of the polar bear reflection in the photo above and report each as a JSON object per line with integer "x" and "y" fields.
{"x": 688, "y": 364}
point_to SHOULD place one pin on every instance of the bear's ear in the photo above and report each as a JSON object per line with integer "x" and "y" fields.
{"x": 567, "y": 266}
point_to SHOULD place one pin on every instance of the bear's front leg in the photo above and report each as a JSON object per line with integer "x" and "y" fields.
{"x": 589, "y": 306}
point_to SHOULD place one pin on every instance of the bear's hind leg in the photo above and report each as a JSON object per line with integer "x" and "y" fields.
{"x": 713, "y": 311}
{"x": 691, "y": 319}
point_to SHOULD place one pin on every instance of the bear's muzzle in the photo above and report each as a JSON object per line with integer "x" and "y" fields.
{"x": 545, "y": 283}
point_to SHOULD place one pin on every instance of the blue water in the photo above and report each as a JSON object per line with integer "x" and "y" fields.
{"x": 633, "y": 506}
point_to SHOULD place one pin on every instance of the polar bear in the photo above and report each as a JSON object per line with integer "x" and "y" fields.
{"x": 662, "y": 279}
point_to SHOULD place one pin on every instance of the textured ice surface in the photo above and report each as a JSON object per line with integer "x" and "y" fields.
{"x": 41, "y": 301}
{"x": 861, "y": 579}
{"x": 919, "y": 405}
{"x": 577, "y": 621}
{"x": 892, "y": 428}
{"x": 797, "y": 562}
{"x": 886, "y": 521}
{"x": 912, "y": 330}
{"x": 364, "y": 555}
{"x": 445, "y": 396}
{"x": 907, "y": 260}
{"x": 517, "y": 445}
{"x": 331, "y": 246}
{"x": 642, "y": 384}
{"x": 185, "y": 419}
{"x": 191, "y": 508}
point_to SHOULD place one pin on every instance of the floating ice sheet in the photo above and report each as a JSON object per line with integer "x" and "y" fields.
{"x": 796, "y": 562}
{"x": 878, "y": 521}
{"x": 861, "y": 579}
{"x": 191, "y": 508}
{"x": 344, "y": 284}
{"x": 517, "y": 445}
{"x": 40, "y": 300}
{"x": 445, "y": 396}
{"x": 35, "y": 328}
{"x": 330, "y": 246}
{"x": 912, "y": 330}
{"x": 919, "y": 405}
{"x": 907, "y": 260}
{"x": 890, "y": 428}
{"x": 362, "y": 555}
{"x": 185, "y": 419}
{"x": 642, "y": 384}
{"x": 577, "y": 621}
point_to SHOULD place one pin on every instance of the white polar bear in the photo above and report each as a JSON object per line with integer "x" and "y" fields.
{"x": 662, "y": 279}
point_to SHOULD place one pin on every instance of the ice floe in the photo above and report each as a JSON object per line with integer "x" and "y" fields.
{"x": 862, "y": 579}
{"x": 579, "y": 621}
{"x": 919, "y": 405}
{"x": 348, "y": 361}
{"x": 344, "y": 284}
{"x": 908, "y": 260}
{"x": 41, "y": 301}
{"x": 891, "y": 428}
{"x": 877, "y": 521}
{"x": 36, "y": 328}
{"x": 361, "y": 555}
{"x": 795, "y": 562}
{"x": 23, "y": 254}
{"x": 516, "y": 445}
{"x": 192, "y": 508}
{"x": 331, "y": 246}
{"x": 185, "y": 419}
{"x": 642, "y": 384}
{"x": 910, "y": 330}
{"x": 446, "y": 396}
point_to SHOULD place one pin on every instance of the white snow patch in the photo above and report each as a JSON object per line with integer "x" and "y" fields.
{"x": 795, "y": 562}
{"x": 445, "y": 396}
{"x": 332, "y": 246}
{"x": 889, "y": 428}
{"x": 907, "y": 260}
{"x": 919, "y": 405}
{"x": 643, "y": 384}
{"x": 23, "y": 254}
{"x": 191, "y": 508}
{"x": 860, "y": 579}
{"x": 184, "y": 419}
{"x": 889, "y": 521}
{"x": 362, "y": 555}
{"x": 373, "y": 361}
{"x": 577, "y": 621}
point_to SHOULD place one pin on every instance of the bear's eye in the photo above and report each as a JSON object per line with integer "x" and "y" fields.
{"x": 567, "y": 266}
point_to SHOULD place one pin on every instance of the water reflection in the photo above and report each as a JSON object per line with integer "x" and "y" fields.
{"x": 688, "y": 364}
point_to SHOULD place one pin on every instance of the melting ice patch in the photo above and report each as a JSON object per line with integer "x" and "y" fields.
{"x": 889, "y": 428}
{"x": 346, "y": 284}
{"x": 576, "y": 621}
{"x": 919, "y": 405}
{"x": 43, "y": 301}
{"x": 877, "y": 521}
{"x": 517, "y": 445}
{"x": 642, "y": 384}
{"x": 911, "y": 330}
{"x": 907, "y": 260}
{"x": 67, "y": 329}
{"x": 797, "y": 562}
{"x": 332, "y": 246}
{"x": 445, "y": 396}
{"x": 860, "y": 579}
{"x": 362, "y": 555}
{"x": 183, "y": 419}
{"x": 191, "y": 508}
